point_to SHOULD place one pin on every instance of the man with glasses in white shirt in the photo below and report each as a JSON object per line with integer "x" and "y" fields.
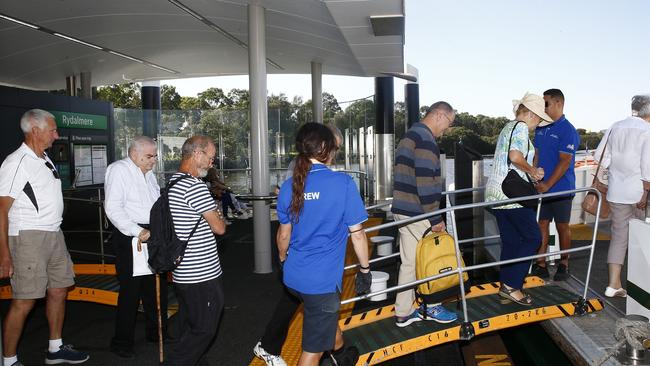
{"x": 33, "y": 252}
{"x": 131, "y": 190}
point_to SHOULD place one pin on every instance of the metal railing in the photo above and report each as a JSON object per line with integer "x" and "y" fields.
{"x": 580, "y": 308}
{"x": 100, "y": 203}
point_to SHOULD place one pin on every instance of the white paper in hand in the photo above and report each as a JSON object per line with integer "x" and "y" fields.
{"x": 140, "y": 259}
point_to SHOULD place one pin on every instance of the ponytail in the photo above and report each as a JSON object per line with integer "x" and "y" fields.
{"x": 313, "y": 141}
{"x": 300, "y": 171}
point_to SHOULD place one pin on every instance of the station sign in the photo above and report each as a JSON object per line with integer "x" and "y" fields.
{"x": 80, "y": 120}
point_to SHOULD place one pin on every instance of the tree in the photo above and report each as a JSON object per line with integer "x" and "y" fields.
{"x": 238, "y": 99}
{"x": 188, "y": 103}
{"x": 400, "y": 121}
{"x": 169, "y": 98}
{"x": 213, "y": 98}
{"x": 121, "y": 95}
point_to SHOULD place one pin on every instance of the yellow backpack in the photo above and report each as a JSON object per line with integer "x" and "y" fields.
{"x": 436, "y": 254}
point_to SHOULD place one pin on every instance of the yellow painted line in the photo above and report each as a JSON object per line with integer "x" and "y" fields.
{"x": 480, "y": 327}
{"x": 585, "y": 232}
{"x": 389, "y": 311}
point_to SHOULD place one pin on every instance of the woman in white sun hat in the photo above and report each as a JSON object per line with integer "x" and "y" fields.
{"x": 520, "y": 235}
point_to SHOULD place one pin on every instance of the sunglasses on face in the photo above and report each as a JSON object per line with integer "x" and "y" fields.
{"x": 52, "y": 169}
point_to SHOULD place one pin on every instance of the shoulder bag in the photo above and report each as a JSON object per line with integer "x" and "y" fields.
{"x": 590, "y": 203}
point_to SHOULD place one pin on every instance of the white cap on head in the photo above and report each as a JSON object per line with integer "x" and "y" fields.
{"x": 535, "y": 104}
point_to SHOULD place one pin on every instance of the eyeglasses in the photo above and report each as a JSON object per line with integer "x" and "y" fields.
{"x": 451, "y": 121}
{"x": 206, "y": 154}
{"x": 545, "y": 104}
{"x": 52, "y": 169}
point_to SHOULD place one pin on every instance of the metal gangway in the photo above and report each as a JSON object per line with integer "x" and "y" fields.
{"x": 378, "y": 339}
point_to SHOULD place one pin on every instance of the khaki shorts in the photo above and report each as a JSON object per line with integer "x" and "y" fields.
{"x": 41, "y": 261}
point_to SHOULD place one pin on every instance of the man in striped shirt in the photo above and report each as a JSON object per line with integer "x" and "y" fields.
{"x": 197, "y": 278}
{"x": 417, "y": 189}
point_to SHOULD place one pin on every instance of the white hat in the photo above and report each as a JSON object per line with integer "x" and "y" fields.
{"x": 535, "y": 104}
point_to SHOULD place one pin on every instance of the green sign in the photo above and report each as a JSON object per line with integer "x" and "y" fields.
{"x": 80, "y": 120}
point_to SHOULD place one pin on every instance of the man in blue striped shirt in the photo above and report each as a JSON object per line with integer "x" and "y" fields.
{"x": 417, "y": 189}
{"x": 197, "y": 279}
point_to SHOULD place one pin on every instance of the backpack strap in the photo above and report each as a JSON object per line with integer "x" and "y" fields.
{"x": 169, "y": 186}
{"x": 29, "y": 192}
{"x": 426, "y": 232}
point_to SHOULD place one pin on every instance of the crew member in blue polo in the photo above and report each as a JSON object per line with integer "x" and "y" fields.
{"x": 317, "y": 209}
{"x": 555, "y": 150}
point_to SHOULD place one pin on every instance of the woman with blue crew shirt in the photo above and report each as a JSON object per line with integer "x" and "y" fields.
{"x": 520, "y": 234}
{"x": 317, "y": 209}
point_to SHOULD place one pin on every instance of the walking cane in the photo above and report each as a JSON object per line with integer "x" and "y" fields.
{"x": 160, "y": 335}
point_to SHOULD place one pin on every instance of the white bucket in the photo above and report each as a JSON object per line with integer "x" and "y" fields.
{"x": 379, "y": 282}
{"x": 384, "y": 245}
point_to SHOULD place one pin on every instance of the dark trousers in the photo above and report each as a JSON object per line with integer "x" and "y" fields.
{"x": 132, "y": 290}
{"x": 200, "y": 305}
{"x": 278, "y": 327}
{"x": 520, "y": 237}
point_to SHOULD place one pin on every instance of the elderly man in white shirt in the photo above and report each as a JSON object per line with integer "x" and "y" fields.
{"x": 33, "y": 253}
{"x": 626, "y": 147}
{"x": 131, "y": 190}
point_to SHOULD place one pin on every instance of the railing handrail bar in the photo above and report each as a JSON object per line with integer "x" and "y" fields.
{"x": 90, "y": 200}
{"x": 379, "y": 259}
{"x": 426, "y": 215}
{"x": 460, "y": 270}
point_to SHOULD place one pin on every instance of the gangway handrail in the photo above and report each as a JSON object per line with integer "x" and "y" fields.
{"x": 443, "y": 193}
{"x": 467, "y": 331}
{"x": 379, "y": 259}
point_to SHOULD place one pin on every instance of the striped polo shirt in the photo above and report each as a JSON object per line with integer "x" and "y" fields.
{"x": 417, "y": 184}
{"x": 188, "y": 199}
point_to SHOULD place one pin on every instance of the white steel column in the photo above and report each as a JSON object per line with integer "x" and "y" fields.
{"x": 317, "y": 91}
{"x": 259, "y": 136}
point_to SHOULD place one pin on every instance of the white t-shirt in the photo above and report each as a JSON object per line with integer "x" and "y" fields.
{"x": 23, "y": 167}
{"x": 129, "y": 196}
{"x": 627, "y": 158}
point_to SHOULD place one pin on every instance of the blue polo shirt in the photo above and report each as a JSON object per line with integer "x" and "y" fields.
{"x": 557, "y": 138}
{"x": 318, "y": 240}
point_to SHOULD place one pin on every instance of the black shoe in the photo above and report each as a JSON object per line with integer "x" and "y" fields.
{"x": 123, "y": 353}
{"x": 539, "y": 271}
{"x": 562, "y": 273}
{"x": 346, "y": 357}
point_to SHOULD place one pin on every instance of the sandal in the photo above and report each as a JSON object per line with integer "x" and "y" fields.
{"x": 506, "y": 294}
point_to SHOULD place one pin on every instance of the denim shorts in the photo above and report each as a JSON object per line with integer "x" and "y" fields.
{"x": 556, "y": 208}
{"x": 320, "y": 322}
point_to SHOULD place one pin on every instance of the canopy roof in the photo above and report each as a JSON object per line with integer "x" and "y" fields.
{"x": 158, "y": 39}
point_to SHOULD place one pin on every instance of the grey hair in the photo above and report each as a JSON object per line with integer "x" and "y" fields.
{"x": 140, "y": 142}
{"x": 35, "y": 118}
{"x": 641, "y": 105}
{"x": 440, "y": 106}
{"x": 196, "y": 142}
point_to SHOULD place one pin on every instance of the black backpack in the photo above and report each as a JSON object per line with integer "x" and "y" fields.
{"x": 166, "y": 250}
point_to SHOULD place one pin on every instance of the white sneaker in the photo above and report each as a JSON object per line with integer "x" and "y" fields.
{"x": 271, "y": 360}
{"x": 613, "y": 292}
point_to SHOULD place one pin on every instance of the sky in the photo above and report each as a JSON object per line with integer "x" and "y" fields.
{"x": 480, "y": 55}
